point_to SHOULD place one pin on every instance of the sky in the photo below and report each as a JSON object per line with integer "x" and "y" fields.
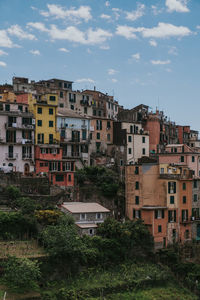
{"x": 139, "y": 51}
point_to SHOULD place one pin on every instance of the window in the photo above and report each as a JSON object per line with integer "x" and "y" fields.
{"x": 69, "y": 178}
{"x": 59, "y": 178}
{"x": 159, "y": 213}
{"x": 94, "y": 112}
{"x": 159, "y": 228}
{"x": 129, "y": 138}
{"x": 195, "y": 197}
{"x": 84, "y": 134}
{"x": 171, "y": 199}
{"x": 193, "y": 159}
{"x": 39, "y": 122}
{"x": 85, "y": 110}
{"x": 162, "y": 170}
{"x": 39, "y": 110}
{"x": 131, "y": 128}
{"x": 136, "y": 170}
{"x": 72, "y": 107}
{"x": 50, "y": 123}
{"x": 129, "y": 150}
{"x": 7, "y": 107}
{"x": 99, "y": 113}
{"x": 184, "y": 215}
{"x": 50, "y": 138}
{"x": 108, "y": 137}
{"x": 83, "y": 217}
{"x": 98, "y": 124}
{"x": 50, "y": 111}
{"x": 98, "y": 136}
{"x": 143, "y": 151}
{"x": 61, "y": 94}
{"x": 98, "y": 216}
{"x": 40, "y": 138}
{"x": 187, "y": 234}
{"x": 121, "y": 162}
{"x": 20, "y": 107}
{"x": 137, "y": 185}
{"x": 171, "y": 216}
{"x": 137, "y": 200}
{"x": 184, "y": 199}
{"x": 91, "y": 231}
{"x": 195, "y": 213}
{"x": 136, "y": 214}
{"x": 143, "y": 139}
{"x": 182, "y": 158}
{"x": 171, "y": 187}
{"x": 108, "y": 125}
{"x": 52, "y": 98}
{"x": 195, "y": 184}
{"x": 184, "y": 186}
{"x": 61, "y": 105}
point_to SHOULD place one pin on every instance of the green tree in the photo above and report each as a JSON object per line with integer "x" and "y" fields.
{"x": 21, "y": 273}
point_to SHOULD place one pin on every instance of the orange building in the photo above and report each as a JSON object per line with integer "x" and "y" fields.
{"x": 161, "y": 195}
{"x": 48, "y": 160}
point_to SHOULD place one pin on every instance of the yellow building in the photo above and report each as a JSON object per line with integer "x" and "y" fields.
{"x": 8, "y": 96}
{"x": 44, "y": 109}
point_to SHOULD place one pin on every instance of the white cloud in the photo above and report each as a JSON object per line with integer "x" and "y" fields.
{"x": 85, "y": 80}
{"x": 162, "y": 30}
{"x": 3, "y": 64}
{"x": 35, "y": 52}
{"x": 114, "y": 80}
{"x": 33, "y": 8}
{"x": 136, "y": 14}
{"x": 5, "y": 41}
{"x": 173, "y": 50}
{"x": 136, "y": 56}
{"x": 104, "y": 47}
{"x": 156, "y": 10}
{"x": 112, "y": 71}
{"x": 177, "y": 5}
{"x": 3, "y": 52}
{"x": 76, "y": 15}
{"x": 169, "y": 70}
{"x": 107, "y": 3}
{"x": 37, "y": 25}
{"x": 73, "y": 34}
{"x": 17, "y": 31}
{"x": 64, "y": 50}
{"x": 153, "y": 43}
{"x": 160, "y": 62}
{"x": 116, "y": 12}
{"x": 165, "y": 30}
{"x": 198, "y": 27}
{"x": 104, "y": 16}
{"x": 126, "y": 31}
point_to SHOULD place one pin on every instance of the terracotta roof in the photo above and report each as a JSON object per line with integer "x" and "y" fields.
{"x": 81, "y": 207}
{"x": 89, "y": 225}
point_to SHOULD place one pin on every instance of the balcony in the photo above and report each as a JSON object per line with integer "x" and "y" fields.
{"x": 11, "y": 156}
{"x": 18, "y": 126}
{"x": 27, "y": 156}
{"x": 85, "y": 102}
{"x": 71, "y": 154}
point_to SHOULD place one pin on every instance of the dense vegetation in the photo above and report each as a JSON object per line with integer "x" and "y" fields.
{"x": 117, "y": 263}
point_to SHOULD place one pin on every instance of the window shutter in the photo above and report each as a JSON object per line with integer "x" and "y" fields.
{"x": 169, "y": 216}
{"x": 182, "y": 214}
{"x": 186, "y": 214}
{"x": 163, "y": 214}
{"x": 174, "y": 187}
{"x": 133, "y": 213}
{"x": 168, "y": 187}
{"x": 174, "y": 215}
{"x": 139, "y": 212}
{"x": 156, "y": 214}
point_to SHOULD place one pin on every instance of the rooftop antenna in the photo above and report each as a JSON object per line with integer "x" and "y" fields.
{"x": 158, "y": 103}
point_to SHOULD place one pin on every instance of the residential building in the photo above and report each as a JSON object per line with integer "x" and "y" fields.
{"x": 87, "y": 216}
{"x": 74, "y": 132}
{"x": 161, "y": 195}
{"x": 44, "y": 108}
{"x": 16, "y": 137}
{"x": 49, "y": 161}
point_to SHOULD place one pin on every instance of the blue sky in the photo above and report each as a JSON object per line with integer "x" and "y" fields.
{"x": 139, "y": 51}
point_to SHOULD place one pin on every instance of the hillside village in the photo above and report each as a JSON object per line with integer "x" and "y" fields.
{"x": 50, "y": 131}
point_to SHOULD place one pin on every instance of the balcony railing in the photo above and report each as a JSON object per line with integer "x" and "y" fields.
{"x": 27, "y": 156}
{"x": 18, "y": 126}
{"x": 11, "y": 156}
